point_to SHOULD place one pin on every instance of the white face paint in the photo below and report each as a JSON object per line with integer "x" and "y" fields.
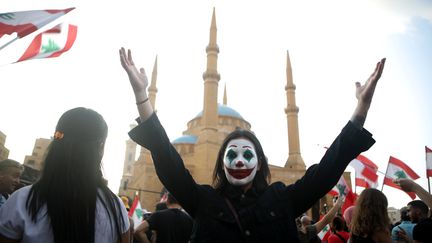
{"x": 240, "y": 162}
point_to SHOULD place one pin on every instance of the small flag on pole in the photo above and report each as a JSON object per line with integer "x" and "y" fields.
{"x": 365, "y": 172}
{"x": 136, "y": 212}
{"x": 428, "y": 161}
{"x": 24, "y": 23}
{"x": 324, "y": 234}
{"x": 51, "y": 43}
{"x": 397, "y": 169}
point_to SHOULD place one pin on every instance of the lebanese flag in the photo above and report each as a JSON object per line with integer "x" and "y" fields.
{"x": 397, "y": 169}
{"x": 27, "y": 22}
{"x": 324, "y": 233}
{"x": 136, "y": 213}
{"x": 343, "y": 189}
{"x": 428, "y": 161}
{"x": 365, "y": 172}
{"x": 51, "y": 43}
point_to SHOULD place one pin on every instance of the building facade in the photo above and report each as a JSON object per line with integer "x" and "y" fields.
{"x": 4, "y": 152}
{"x": 35, "y": 160}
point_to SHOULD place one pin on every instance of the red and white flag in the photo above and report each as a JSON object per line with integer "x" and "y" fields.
{"x": 324, "y": 234}
{"x": 428, "y": 161}
{"x": 343, "y": 189}
{"x": 26, "y": 22}
{"x": 136, "y": 213}
{"x": 51, "y": 43}
{"x": 365, "y": 172}
{"x": 397, "y": 169}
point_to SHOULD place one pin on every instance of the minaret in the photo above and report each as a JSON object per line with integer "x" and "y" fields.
{"x": 152, "y": 90}
{"x": 295, "y": 161}
{"x": 128, "y": 164}
{"x": 225, "y": 99}
{"x": 211, "y": 78}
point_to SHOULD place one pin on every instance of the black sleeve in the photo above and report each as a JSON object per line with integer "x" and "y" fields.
{"x": 319, "y": 179}
{"x": 168, "y": 163}
{"x": 153, "y": 221}
{"x": 422, "y": 232}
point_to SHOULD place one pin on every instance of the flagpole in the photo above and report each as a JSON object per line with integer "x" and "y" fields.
{"x": 429, "y": 185}
{"x": 382, "y": 187}
{"x": 9, "y": 42}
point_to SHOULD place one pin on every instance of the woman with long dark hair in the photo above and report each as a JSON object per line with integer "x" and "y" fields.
{"x": 370, "y": 222}
{"x": 71, "y": 201}
{"x": 242, "y": 206}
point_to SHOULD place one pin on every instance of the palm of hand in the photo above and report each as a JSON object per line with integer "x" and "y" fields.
{"x": 364, "y": 93}
{"x": 138, "y": 79}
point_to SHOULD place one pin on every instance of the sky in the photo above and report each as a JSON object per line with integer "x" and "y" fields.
{"x": 332, "y": 44}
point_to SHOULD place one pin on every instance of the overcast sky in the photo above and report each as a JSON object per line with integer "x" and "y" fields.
{"x": 332, "y": 44}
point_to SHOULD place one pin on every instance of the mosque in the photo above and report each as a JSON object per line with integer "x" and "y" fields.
{"x": 200, "y": 142}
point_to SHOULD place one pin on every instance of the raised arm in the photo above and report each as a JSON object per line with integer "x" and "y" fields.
{"x": 319, "y": 179}
{"x": 139, "y": 83}
{"x": 410, "y": 186}
{"x": 330, "y": 215}
{"x": 151, "y": 135}
{"x": 364, "y": 94}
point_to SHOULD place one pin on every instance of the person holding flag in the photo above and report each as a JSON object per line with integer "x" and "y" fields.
{"x": 320, "y": 229}
{"x": 342, "y": 189}
{"x": 411, "y": 186}
{"x": 242, "y": 205}
{"x": 396, "y": 169}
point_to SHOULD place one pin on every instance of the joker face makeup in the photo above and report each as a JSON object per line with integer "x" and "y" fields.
{"x": 240, "y": 162}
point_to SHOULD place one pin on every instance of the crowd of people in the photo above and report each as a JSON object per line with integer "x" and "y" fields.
{"x": 72, "y": 203}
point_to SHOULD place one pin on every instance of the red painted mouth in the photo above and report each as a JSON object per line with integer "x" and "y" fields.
{"x": 239, "y": 173}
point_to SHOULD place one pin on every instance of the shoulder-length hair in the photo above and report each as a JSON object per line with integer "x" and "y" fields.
{"x": 262, "y": 177}
{"x": 370, "y": 214}
{"x": 72, "y": 181}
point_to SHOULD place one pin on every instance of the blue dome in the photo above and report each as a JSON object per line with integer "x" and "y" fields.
{"x": 224, "y": 110}
{"x": 185, "y": 139}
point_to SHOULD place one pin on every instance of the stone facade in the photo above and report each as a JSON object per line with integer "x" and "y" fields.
{"x": 35, "y": 160}
{"x": 4, "y": 152}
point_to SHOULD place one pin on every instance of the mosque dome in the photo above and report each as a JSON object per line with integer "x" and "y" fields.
{"x": 185, "y": 139}
{"x": 224, "y": 110}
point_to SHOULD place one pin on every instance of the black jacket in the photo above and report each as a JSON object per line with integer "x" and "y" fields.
{"x": 266, "y": 216}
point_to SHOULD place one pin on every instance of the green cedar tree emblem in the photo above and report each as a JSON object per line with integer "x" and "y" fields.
{"x": 341, "y": 189}
{"x": 400, "y": 174}
{"x": 139, "y": 213}
{"x": 50, "y": 47}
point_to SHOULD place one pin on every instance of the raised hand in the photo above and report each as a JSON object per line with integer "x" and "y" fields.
{"x": 405, "y": 184}
{"x": 139, "y": 83}
{"x": 138, "y": 79}
{"x": 364, "y": 94}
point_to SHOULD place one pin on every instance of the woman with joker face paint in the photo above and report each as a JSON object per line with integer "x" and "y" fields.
{"x": 242, "y": 205}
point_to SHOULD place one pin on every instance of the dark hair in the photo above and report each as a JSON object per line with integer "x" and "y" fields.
{"x": 171, "y": 199}
{"x": 8, "y": 163}
{"x": 370, "y": 214}
{"x": 338, "y": 224}
{"x": 160, "y": 206}
{"x": 262, "y": 177}
{"x": 404, "y": 214}
{"x": 419, "y": 204}
{"x": 71, "y": 180}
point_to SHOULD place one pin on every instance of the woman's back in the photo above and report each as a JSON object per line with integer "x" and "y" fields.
{"x": 16, "y": 223}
